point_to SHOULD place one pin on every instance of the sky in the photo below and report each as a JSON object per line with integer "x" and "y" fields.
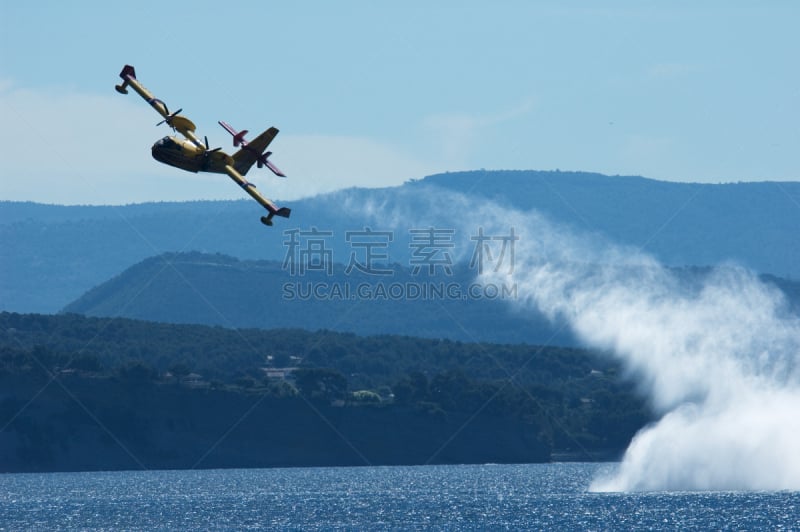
{"x": 376, "y": 93}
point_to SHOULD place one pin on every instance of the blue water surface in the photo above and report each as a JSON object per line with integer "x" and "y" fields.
{"x": 537, "y": 496}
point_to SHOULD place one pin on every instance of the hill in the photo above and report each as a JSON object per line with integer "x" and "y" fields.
{"x": 88, "y": 393}
{"x": 197, "y": 288}
{"x": 221, "y": 290}
{"x": 682, "y": 224}
{"x": 51, "y": 255}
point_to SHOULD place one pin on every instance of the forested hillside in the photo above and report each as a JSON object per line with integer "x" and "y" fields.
{"x": 86, "y": 393}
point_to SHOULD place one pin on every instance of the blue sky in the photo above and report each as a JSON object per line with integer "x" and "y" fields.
{"x": 376, "y": 93}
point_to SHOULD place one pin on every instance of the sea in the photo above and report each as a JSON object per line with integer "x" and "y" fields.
{"x": 458, "y": 497}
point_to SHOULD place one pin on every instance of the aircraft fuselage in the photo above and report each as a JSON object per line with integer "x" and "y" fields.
{"x": 186, "y": 155}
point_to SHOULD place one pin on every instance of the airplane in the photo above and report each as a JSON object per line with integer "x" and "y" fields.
{"x": 192, "y": 155}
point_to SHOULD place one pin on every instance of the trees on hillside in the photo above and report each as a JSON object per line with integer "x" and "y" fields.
{"x": 572, "y": 393}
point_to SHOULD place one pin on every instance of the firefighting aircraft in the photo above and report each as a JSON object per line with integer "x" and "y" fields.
{"x": 194, "y": 156}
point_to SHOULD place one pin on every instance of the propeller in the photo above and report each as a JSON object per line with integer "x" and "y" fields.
{"x": 210, "y": 151}
{"x": 168, "y": 119}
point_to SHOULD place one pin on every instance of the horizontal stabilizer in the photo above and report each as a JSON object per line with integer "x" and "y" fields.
{"x": 275, "y": 170}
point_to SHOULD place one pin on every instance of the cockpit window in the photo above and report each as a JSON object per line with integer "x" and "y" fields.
{"x": 168, "y": 143}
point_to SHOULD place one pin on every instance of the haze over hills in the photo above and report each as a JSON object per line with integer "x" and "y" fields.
{"x": 51, "y": 255}
{"x": 682, "y": 224}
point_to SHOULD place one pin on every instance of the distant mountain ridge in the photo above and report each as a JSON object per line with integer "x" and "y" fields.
{"x": 682, "y": 224}
{"x": 51, "y": 255}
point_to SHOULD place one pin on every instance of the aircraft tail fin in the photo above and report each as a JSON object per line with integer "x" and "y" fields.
{"x": 254, "y": 152}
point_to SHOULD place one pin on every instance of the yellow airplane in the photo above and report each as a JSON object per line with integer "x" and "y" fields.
{"x": 194, "y": 156}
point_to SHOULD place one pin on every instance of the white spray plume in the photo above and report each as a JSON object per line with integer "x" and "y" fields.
{"x": 716, "y": 353}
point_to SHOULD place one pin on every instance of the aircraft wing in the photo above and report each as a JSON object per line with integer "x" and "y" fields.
{"x": 175, "y": 120}
{"x": 250, "y": 188}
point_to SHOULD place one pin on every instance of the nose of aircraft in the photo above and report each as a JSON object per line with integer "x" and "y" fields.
{"x": 158, "y": 151}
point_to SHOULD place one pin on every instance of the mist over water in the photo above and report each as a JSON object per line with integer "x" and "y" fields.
{"x": 716, "y": 353}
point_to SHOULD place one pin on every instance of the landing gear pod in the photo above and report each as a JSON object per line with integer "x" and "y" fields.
{"x": 283, "y": 211}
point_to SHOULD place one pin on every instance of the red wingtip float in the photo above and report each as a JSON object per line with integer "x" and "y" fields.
{"x": 190, "y": 154}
